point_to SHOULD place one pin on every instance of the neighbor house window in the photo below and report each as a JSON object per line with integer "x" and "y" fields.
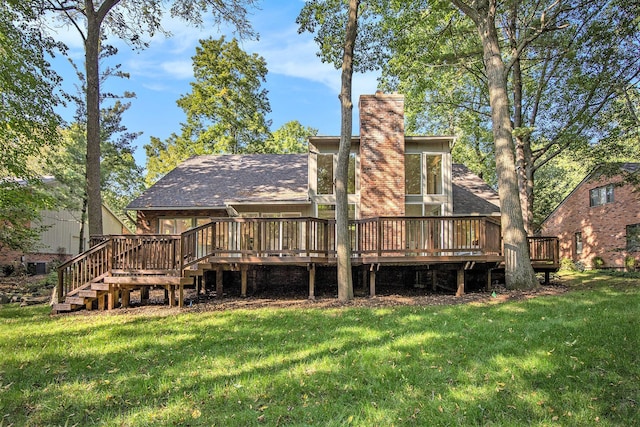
{"x": 434, "y": 174}
{"x": 601, "y": 195}
{"x": 633, "y": 238}
{"x": 578, "y": 243}
{"x": 413, "y": 173}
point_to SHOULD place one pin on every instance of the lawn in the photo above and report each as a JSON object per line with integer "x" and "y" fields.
{"x": 570, "y": 359}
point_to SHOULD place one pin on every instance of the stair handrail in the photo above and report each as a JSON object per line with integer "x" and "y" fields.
{"x": 83, "y": 268}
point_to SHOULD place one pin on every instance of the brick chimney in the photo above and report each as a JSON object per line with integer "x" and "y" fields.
{"x": 382, "y": 189}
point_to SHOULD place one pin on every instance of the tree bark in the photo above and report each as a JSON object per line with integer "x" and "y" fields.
{"x": 343, "y": 242}
{"x": 519, "y": 273}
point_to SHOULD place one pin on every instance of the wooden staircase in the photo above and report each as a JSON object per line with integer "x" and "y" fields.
{"x": 104, "y": 276}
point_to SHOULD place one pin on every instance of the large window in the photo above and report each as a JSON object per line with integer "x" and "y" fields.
{"x": 329, "y": 211}
{"x": 601, "y": 195}
{"x": 633, "y": 238}
{"x": 413, "y": 173}
{"x": 434, "y": 174}
{"x": 578, "y": 243}
{"x": 180, "y": 225}
{"x": 326, "y": 175}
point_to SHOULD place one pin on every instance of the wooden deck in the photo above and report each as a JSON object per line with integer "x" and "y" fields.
{"x": 105, "y": 275}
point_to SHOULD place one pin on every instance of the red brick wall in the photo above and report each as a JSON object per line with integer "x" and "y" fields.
{"x": 603, "y": 227}
{"x": 381, "y": 155}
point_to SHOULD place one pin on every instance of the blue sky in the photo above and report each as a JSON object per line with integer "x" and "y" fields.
{"x": 300, "y": 86}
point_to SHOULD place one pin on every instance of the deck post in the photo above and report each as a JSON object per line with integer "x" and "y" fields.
{"x": 372, "y": 280}
{"x": 488, "y": 286}
{"x": 112, "y": 298}
{"x": 219, "y": 282}
{"x": 243, "y": 281}
{"x": 144, "y": 294}
{"x": 460, "y": 279}
{"x": 365, "y": 279}
{"x": 172, "y": 295}
{"x": 181, "y": 295}
{"x": 101, "y": 298}
{"x": 126, "y": 297}
{"x": 312, "y": 281}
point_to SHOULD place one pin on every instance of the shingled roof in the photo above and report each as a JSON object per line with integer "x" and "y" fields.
{"x": 215, "y": 181}
{"x": 471, "y": 195}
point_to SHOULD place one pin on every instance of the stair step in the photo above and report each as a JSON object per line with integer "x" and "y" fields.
{"x": 143, "y": 280}
{"x": 100, "y": 286}
{"x": 75, "y": 300}
{"x": 88, "y": 293}
{"x": 60, "y": 307}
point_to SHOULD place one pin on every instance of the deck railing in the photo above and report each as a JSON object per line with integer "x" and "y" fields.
{"x": 544, "y": 250}
{"x": 83, "y": 269}
{"x": 427, "y": 236}
{"x": 258, "y": 237}
{"x": 255, "y": 239}
{"x": 313, "y": 237}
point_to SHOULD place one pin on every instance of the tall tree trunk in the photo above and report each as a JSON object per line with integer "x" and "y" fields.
{"x": 522, "y": 136}
{"x": 343, "y": 242}
{"x": 519, "y": 273}
{"x": 92, "y": 48}
{"x": 83, "y": 222}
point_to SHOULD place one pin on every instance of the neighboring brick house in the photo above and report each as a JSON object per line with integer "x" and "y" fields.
{"x": 390, "y": 174}
{"x": 599, "y": 218}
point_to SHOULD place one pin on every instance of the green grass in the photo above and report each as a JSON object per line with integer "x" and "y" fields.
{"x": 571, "y": 359}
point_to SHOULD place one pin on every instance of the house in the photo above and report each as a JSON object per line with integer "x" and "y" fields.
{"x": 59, "y": 239}
{"x": 390, "y": 174}
{"x": 598, "y": 223}
{"x": 415, "y": 218}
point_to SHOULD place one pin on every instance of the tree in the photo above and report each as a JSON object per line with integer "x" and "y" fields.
{"x": 28, "y": 123}
{"x": 225, "y": 109}
{"x": 337, "y": 32}
{"x": 559, "y": 76}
{"x": 227, "y": 106}
{"x": 343, "y": 242}
{"x": 518, "y": 270}
{"x": 121, "y": 179}
{"x": 128, "y": 20}
{"x": 519, "y": 273}
{"x": 291, "y": 137}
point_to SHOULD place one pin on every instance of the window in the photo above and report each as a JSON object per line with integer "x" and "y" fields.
{"x": 601, "y": 195}
{"x": 412, "y": 210}
{"x": 325, "y": 174}
{"x": 633, "y": 238}
{"x": 351, "y": 174}
{"x": 434, "y": 175}
{"x": 180, "y": 225}
{"x": 413, "y": 173}
{"x": 578, "y": 243}
{"x": 432, "y": 210}
{"x": 329, "y": 211}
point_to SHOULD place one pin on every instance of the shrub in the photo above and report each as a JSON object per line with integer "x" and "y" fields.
{"x": 630, "y": 263}
{"x": 567, "y": 264}
{"x": 597, "y": 262}
{"x": 8, "y": 269}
